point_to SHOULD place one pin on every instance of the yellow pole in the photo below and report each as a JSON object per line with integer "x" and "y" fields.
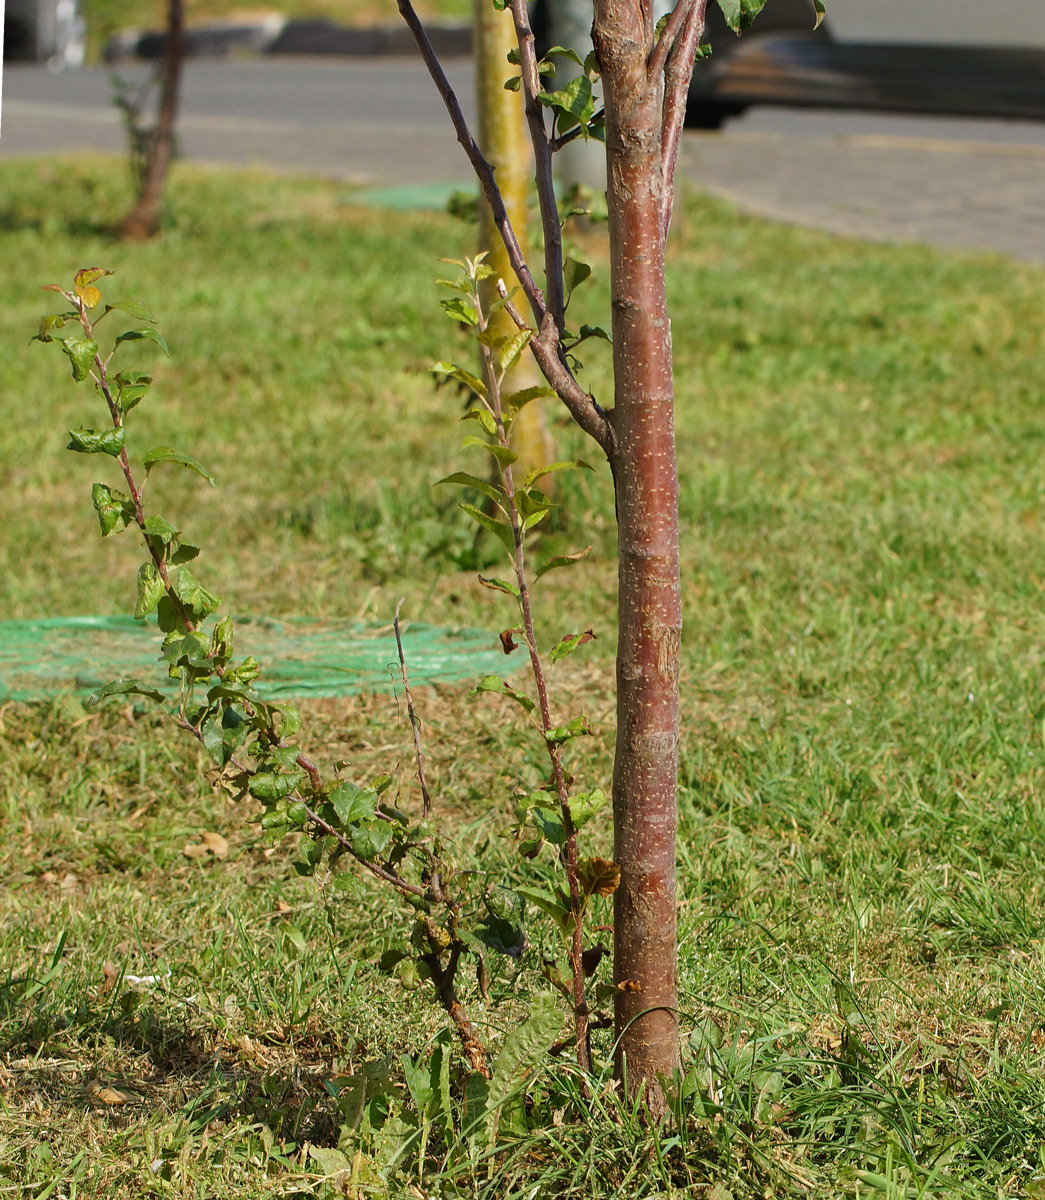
{"x": 503, "y": 140}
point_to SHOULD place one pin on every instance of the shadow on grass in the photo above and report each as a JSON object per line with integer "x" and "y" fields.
{"x": 126, "y": 1066}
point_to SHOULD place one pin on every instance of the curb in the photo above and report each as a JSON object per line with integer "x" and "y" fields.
{"x": 275, "y": 35}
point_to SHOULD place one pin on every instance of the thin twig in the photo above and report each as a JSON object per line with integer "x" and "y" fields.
{"x": 536, "y": 119}
{"x": 415, "y": 724}
{"x": 482, "y": 168}
{"x": 101, "y": 378}
{"x": 571, "y": 135}
{"x": 569, "y": 851}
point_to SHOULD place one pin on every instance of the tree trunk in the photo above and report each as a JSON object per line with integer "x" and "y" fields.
{"x": 650, "y": 618}
{"x": 144, "y": 219}
{"x": 503, "y": 141}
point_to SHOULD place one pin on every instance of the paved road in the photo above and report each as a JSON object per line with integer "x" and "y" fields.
{"x": 969, "y": 183}
{"x": 367, "y": 120}
{"x": 378, "y": 121}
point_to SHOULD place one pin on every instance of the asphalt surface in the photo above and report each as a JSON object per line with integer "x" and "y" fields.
{"x": 368, "y": 120}
{"x": 968, "y": 183}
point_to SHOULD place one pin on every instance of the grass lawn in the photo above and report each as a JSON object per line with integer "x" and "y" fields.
{"x": 862, "y": 844}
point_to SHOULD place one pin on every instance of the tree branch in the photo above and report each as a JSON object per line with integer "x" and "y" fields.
{"x": 482, "y": 168}
{"x": 571, "y": 135}
{"x": 678, "y": 73}
{"x": 542, "y": 153}
{"x": 546, "y": 348}
{"x": 669, "y": 35}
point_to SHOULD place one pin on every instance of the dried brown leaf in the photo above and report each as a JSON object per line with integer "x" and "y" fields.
{"x": 216, "y": 844}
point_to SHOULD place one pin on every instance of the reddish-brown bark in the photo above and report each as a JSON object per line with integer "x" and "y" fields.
{"x": 143, "y": 221}
{"x": 650, "y": 615}
{"x": 645, "y": 82}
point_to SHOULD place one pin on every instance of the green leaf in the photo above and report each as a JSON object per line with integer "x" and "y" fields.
{"x": 536, "y": 517}
{"x": 221, "y": 640}
{"x": 164, "y": 454}
{"x": 133, "y": 308}
{"x": 269, "y": 788}
{"x": 503, "y": 935}
{"x": 81, "y": 352}
{"x": 584, "y": 806}
{"x": 222, "y": 738}
{"x": 503, "y": 454}
{"x": 150, "y": 589}
{"x": 52, "y": 321}
{"x": 167, "y": 616}
{"x": 190, "y": 650}
{"x": 499, "y": 585}
{"x": 349, "y": 886}
{"x": 568, "y": 644}
{"x": 194, "y": 595}
{"x": 548, "y": 904}
{"x": 573, "y": 105}
{"x": 821, "y": 12}
{"x": 89, "y": 441}
{"x": 549, "y": 822}
{"x": 514, "y": 82}
{"x": 460, "y": 309}
{"x": 562, "y": 560}
{"x": 248, "y": 670}
{"x": 566, "y": 465}
{"x": 351, "y": 803}
{"x": 458, "y": 285}
{"x": 115, "y": 511}
{"x": 131, "y": 386}
{"x": 418, "y": 1084}
{"x": 493, "y": 490}
{"x": 160, "y": 530}
{"x": 124, "y": 687}
{"x": 561, "y": 734}
{"x": 186, "y": 552}
{"x": 592, "y": 331}
{"x": 512, "y": 349}
{"x": 516, "y": 400}
{"x": 740, "y": 13}
{"x": 143, "y": 335}
{"x": 494, "y": 683}
{"x": 499, "y": 528}
{"x": 564, "y": 52}
{"x": 485, "y": 419}
{"x": 574, "y": 273}
{"x": 369, "y": 840}
{"x": 523, "y": 1049}
{"x": 461, "y": 375}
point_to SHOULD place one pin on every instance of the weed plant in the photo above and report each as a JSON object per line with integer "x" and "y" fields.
{"x": 862, "y": 839}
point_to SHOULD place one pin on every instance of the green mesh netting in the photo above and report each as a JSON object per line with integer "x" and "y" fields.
{"x": 299, "y": 657}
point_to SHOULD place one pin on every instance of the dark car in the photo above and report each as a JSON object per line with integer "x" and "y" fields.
{"x": 963, "y": 57}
